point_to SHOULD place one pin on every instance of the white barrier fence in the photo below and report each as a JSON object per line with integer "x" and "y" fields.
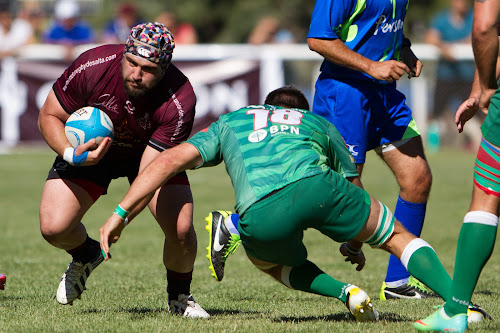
{"x": 216, "y": 72}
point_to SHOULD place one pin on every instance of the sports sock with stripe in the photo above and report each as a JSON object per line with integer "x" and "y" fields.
{"x": 412, "y": 216}
{"x": 475, "y": 245}
{"x": 422, "y": 262}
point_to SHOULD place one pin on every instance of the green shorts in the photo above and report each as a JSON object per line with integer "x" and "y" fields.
{"x": 272, "y": 229}
{"x": 491, "y": 124}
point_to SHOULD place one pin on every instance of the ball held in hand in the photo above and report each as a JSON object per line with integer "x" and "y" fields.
{"x": 88, "y": 123}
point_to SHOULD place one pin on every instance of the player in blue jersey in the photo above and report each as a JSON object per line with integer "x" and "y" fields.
{"x": 288, "y": 168}
{"x": 365, "y": 54}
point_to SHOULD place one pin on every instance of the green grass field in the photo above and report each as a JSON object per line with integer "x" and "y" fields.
{"x": 127, "y": 294}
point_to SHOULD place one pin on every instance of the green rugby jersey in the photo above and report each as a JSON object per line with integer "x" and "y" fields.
{"x": 266, "y": 148}
{"x": 491, "y": 125}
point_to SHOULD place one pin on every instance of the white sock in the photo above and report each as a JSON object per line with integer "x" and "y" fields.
{"x": 398, "y": 283}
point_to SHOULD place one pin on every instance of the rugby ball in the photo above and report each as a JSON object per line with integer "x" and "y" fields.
{"x": 88, "y": 123}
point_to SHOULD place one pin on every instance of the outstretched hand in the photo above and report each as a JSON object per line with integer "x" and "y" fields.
{"x": 358, "y": 259}
{"x": 465, "y": 112}
{"x": 110, "y": 233}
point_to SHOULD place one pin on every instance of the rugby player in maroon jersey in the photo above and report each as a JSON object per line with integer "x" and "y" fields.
{"x": 152, "y": 106}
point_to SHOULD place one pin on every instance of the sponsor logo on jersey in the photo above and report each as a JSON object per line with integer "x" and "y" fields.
{"x": 86, "y": 65}
{"x": 145, "y": 122}
{"x": 351, "y": 149}
{"x": 129, "y": 107}
{"x": 387, "y": 27}
{"x": 284, "y": 129}
{"x": 257, "y": 136}
{"x": 108, "y": 102}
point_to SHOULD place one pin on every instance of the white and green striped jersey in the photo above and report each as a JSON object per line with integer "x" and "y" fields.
{"x": 266, "y": 148}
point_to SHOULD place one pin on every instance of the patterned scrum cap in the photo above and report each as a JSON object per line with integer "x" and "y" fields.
{"x": 151, "y": 41}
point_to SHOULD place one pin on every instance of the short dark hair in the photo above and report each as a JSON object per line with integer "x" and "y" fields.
{"x": 288, "y": 97}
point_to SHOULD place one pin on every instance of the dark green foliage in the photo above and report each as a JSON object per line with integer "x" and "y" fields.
{"x": 230, "y": 21}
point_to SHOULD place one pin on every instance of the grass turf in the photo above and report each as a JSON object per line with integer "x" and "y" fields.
{"x": 127, "y": 293}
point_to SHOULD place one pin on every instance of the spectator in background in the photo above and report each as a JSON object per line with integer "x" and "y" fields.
{"x": 31, "y": 12}
{"x": 14, "y": 32}
{"x": 268, "y": 30}
{"x": 68, "y": 28}
{"x": 118, "y": 28}
{"x": 453, "y": 77}
{"x": 184, "y": 33}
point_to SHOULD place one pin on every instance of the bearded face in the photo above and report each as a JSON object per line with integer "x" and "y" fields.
{"x": 139, "y": 75}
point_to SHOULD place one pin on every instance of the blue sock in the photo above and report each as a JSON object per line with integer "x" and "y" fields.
{"x": 232, "y": 223}
{"x": 412, "y": 216}
{"x": 235, "y": 219}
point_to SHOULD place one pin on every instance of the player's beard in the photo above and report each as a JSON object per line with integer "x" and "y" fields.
{"x": 139, "y": 89}
{"x": 135, "y": 89}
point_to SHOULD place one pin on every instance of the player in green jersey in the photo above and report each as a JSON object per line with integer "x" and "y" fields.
{"x": 289, "y": 169}
{"x": 478, "y": 232}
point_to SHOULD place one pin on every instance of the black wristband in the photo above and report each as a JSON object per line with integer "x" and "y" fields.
{"x": 352, "y": 251}
{"x": 406, "y": 42}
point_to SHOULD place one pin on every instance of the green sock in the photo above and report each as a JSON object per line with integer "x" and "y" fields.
{"x": 475, "y": 245}
{"x": 426, "y": 267}
{"x": 309, "y": 278}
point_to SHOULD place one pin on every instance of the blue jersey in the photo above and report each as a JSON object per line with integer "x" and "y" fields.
{"x": 373, "y": 29}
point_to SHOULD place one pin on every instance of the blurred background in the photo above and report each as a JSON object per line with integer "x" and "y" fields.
{"x": 233, "y": 51}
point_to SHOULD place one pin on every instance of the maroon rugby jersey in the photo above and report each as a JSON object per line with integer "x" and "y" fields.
{"x": 163, "y": 118}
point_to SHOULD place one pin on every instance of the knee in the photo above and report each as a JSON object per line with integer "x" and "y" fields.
{"x": 51, "y": 233}
{"x": 417, "y": 186}
{"x": 183, "y": 237}
{"x": 398, "y": 241}
{"x": 51, "y": 230}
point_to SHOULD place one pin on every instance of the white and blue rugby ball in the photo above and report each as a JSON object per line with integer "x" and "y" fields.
{"x": 88, "y": 123}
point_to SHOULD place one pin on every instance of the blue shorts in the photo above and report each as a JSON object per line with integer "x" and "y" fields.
{"x": 367, "y": 114}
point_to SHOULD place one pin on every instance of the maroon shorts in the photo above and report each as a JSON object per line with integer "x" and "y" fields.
{"x": 95, "y": 179}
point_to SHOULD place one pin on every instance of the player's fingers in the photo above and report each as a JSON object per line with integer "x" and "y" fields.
{"x": 459, "y": 121}
{"x": 103, "y": 146}
{"x": 397, "y": 72}
{"x": 360, "y": 266}
{"x": 418, "y": 68}
{"x": 101, "y": 150}
{"x": 104, "y": 243}
{"x": 402, "y": 67}
{"x": 105, "y": 141}
{"x": 89, "y": 145}
{"x": 398, "y": 75}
